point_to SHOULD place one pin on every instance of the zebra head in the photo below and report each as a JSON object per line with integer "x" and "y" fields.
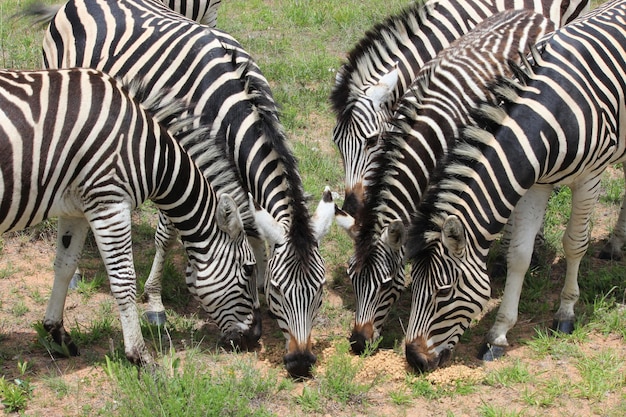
{"x": 356, "y": 134}
{"x": 294, "y": 287}
{"x": 226, "y": 284}
{"x": 450, "y": 287}
{"x": 378, "y": 280}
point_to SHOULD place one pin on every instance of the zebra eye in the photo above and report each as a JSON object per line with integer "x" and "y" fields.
{"x": 371, "y": 141}
{"x": 249, "y": 268}
{"x": 444, "y": 291}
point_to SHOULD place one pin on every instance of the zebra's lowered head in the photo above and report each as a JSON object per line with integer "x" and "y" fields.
{"x": 291, "y": 284}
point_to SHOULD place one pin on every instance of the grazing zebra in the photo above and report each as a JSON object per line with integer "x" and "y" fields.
{"x": 202, "y": 11}
{"x": 421, "y": 131}
{"x": 559, "y": 125}
{"x": 380, "y": 68}
{"x": 78, "y": 146}
{"x": 209, "y": 70}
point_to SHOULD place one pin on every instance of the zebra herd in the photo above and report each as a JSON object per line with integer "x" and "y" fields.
{"x": 454, "y": 117}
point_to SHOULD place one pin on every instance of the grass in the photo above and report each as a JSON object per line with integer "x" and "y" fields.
{"x": 299, "y": 46}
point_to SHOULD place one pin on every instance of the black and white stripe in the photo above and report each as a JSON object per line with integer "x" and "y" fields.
{"x": 77, "y": 145}
{"x": 561, "y": 125}
{"x": 210, "y": 71}
{"x": 202, "y": 11}
{"x": 420, "y": 133}
{"x": 381, "y": 67}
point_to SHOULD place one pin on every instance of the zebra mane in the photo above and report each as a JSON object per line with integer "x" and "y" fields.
{"x": 197, "y": 142}
{"x": 371, "y": 50}
{"x": 270, "y": 127}
{"x": 445, "y": 188}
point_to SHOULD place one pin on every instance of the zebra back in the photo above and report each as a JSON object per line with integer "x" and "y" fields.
{"x": 402, "y": 44}
{"x": 558, "y": 125}
{"x": 422, "y": 129}
{"x": 201, "y": 11}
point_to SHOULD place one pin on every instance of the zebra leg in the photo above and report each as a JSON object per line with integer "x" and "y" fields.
{"x": 575, "y": 244}
{"x": 525, "y": 222}
{"x": 163, "y": 240}
{"x": 613, "y": 248}
{"x": 111, "y": 227}
{"x": 260, "y": 253}
{"x": 71, "y": 235}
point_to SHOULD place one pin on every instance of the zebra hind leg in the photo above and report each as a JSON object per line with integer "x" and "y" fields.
{"x": 71, "y": 235}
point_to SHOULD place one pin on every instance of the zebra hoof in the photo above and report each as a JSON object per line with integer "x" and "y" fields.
{"x": 75, "y": 280}
{"x": 562, "y": 326}
{"x": 156, "y": 318}
{"x": 490, "y": 353}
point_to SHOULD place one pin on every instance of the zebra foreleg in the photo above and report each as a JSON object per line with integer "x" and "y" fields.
{"x": 71, "y": 235}
{"x": 111, "y": 227}
{"x": 525, "y": 222}
{"x": 163, "y": 240}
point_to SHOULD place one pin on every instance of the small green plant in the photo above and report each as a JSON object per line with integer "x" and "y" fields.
{"x": 310, "y": 400}
{"x": 88, "y": 287}
{"x": 338, "y": 382}
{"x": 488, "y": 410}
{"x": 505, "y": 377}
{"x": 19, "y": 309}
{"x": 16, "y": 394}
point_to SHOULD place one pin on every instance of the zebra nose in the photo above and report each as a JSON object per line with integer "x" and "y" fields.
{"x": 299, "y": 358}
{"x": 253, "y": 334}
{"x": 299, "y": 363}
{"x": 420, "y": 359}
{"x": 352, "y": 203}
{"x": 236, "y": 339}
{"x": 361, "y": 334}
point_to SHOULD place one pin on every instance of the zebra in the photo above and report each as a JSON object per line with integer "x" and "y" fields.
{"x": 422, "y": 129}
{"x": 89, "y": 163}
{"x": 558, "y": 124}
{"x": 202, "y": 11}
{"x": 225, "y": 88}
{"x": 383, "y": 64}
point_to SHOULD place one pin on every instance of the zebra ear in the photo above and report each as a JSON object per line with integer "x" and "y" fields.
{"x": 345, "y": 221}
{"x": 381, "y": 93}
{"x": 453, "y": 235}
{"x": 270, "y": 229}
{"x": 228, "y": 217}
{"x": 324, "y": 214}
{"x": 396, "y": 235}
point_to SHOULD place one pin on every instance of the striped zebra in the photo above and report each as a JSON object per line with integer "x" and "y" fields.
{"x": 559, "y": 125}
{"x": 202, "y": 11}
{"x": 383, "y": 64}
{"x": 78, "y": 146}
{"x": 209, "y": 70}
{"x": 420, "y": 133}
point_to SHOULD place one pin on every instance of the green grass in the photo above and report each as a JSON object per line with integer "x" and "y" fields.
{"x": 178, "y": 388}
